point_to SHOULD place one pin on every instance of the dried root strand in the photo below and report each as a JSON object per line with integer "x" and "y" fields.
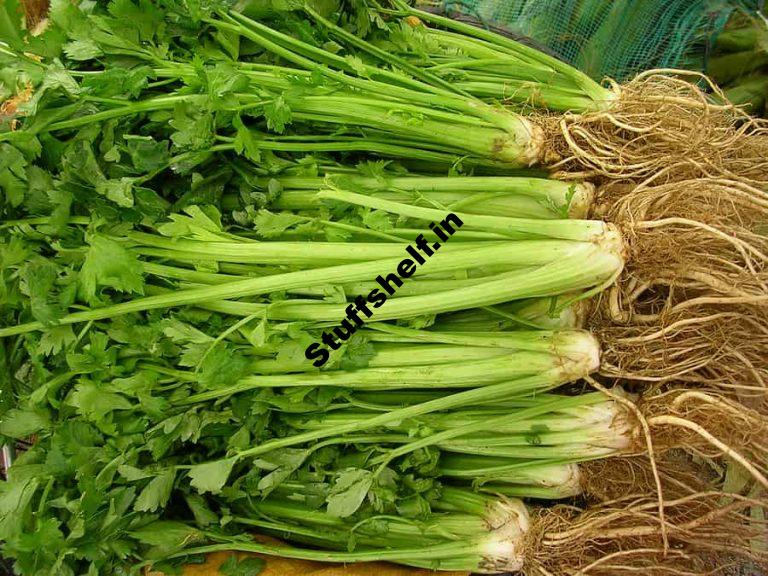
{"x": 703, "y": 234}
{"x": 683, "y": 174}
{"x": 692, "y": 303}
{"x": 719, "y": 346}
{"x": 662, "y": 127}
{"x": 711, "y": 426}
{"x": 679, "y": 434}
{"x": 706, "y": 529}
{"x": 610, "y": 480}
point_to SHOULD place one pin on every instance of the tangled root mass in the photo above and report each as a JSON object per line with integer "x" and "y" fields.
{"x": 661, "y": 127}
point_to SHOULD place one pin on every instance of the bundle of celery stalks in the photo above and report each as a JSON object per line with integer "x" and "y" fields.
{"x": 312, "y": 272}
{"x": 739, "y": 63}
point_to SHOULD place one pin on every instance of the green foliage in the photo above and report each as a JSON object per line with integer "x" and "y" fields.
{"x": 211, "y": 476}
{"x": 108, "y": 264}
{"x": 348, "y": 492}
{"x": 143, "y": 165}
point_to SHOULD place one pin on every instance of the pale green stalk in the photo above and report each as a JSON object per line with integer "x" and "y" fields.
{"x": 350, "y": 272}
{"x": 580, "y": 230}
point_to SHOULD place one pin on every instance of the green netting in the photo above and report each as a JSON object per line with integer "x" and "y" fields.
{"x": 613, "y": 38}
